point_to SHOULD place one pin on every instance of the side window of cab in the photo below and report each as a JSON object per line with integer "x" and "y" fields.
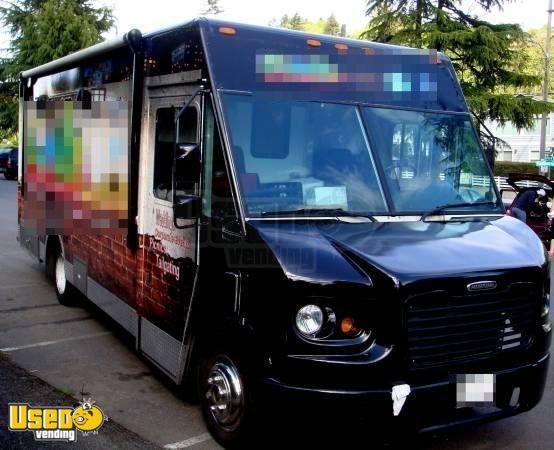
{"x": 187, "y": 133}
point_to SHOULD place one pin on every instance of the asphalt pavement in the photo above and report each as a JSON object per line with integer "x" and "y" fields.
{"x": 52, "y": 355}
{"x": 19, "y": 384}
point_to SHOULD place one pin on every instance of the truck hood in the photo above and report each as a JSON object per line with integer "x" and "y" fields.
{"x": 329, "y": 252}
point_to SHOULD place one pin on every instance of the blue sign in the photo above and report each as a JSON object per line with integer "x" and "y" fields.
{"x": 545, "y": 163}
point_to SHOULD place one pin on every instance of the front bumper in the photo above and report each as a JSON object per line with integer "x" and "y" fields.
{"x": 428, "y": 407}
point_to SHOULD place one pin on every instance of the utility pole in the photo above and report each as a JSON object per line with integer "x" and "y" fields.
{"x": 546, "y": 85}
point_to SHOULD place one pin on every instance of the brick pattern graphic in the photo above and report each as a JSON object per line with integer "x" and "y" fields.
{"x": 148, "y": 280}
{"x": 110, "y": 263}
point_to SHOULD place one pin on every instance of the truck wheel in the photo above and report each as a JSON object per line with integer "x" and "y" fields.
{"x": 226, "y": 400}
{"x": 65, "y": 291}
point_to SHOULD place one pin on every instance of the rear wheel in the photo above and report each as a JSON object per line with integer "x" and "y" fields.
{"x": 55, "y": 269}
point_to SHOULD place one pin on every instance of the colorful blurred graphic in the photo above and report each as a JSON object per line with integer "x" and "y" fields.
{"x": 76, "y": 167}
{"x": 414, "y": 74}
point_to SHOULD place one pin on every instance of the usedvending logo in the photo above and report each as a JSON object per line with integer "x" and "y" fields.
{"x": 57, "y": 423}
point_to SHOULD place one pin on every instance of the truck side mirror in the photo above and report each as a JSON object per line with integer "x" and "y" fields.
{"x": 185, "y": 207}
{"x": 186, "y": 176}
{"x": 186, "y": 168}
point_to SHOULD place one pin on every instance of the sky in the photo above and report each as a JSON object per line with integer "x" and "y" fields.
{"x": 130, "y": 13}
{"x": 149, "y": 16}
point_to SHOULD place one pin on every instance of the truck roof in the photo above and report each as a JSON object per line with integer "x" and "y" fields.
{"x": 305, "y": 66}
{"x": 273, "y": 61}
{"x": 285, "y": 32}
{"x": 122, "y": 40}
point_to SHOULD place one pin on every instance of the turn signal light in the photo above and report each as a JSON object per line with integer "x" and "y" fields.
{"x": 349, "y": 327}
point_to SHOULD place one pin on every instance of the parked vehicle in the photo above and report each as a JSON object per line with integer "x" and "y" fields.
{"x": 317, "y": 235}
{"x": 8, "y": 162}
{"x": 4, "y": 156}
{"x": 537, "y": 215}
{"x": 12, "y": 164}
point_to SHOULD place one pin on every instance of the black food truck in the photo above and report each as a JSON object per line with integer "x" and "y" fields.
{"x": 310, "y": 216}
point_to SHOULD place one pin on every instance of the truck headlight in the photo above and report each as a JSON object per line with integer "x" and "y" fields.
{"x": 309, "y": 319}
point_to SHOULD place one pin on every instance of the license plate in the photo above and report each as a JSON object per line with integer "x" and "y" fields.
{"x": 475, "y": 389}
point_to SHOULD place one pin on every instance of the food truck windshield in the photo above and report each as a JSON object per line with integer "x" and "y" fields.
{"x": 313, "y": 156}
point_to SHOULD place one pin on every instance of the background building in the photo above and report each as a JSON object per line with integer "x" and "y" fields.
{"x": 523, "y": 145}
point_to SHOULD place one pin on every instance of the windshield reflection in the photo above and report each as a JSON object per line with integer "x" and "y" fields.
{"x": 313, "y": 157}
{"x": 302, "y": 155}
{"x": 429, "y": 159}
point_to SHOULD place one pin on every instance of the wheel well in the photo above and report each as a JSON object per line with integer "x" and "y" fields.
{"x": 53, "y": 246}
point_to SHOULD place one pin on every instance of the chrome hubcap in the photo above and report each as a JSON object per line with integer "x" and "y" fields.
{"x": 224, "y": 394}
{"x": 60, "y": 275}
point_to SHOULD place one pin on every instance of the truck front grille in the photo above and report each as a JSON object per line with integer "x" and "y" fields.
{"x": 447, "y": 329}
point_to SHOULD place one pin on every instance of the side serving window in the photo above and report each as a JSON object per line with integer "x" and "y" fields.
{"x": 163, "y": 150}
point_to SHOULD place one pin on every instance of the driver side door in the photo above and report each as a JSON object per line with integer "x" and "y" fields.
{"x": 169, "y": 253}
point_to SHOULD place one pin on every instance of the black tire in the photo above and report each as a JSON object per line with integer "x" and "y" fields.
{"x": 234, "y": 427}
{"x": 65, "y": 291}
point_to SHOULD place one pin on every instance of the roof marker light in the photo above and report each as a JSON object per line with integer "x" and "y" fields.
{"x": 313, "y": 43}
{"x": 228, "y": 31}
{"x": 341, "y": 47}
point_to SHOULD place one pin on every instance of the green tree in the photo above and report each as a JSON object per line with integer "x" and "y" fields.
{"x": 332, "y": 26}
{"x": 8, "y": 101}
{"x": 329, "y": 26}
{"x": 43, "y": 30}
{"x": 487, "y": 57}
{"x": 315, "y": 27}
{"x": 532, "y": 58}
{"x": 296, "y": 22}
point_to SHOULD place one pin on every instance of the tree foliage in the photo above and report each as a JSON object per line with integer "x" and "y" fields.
{"x": 295, "y": 22}
{"x": 532, "y": 59}
{"x": 332, "y": 26}
{"x": 487, "y": 57}
{"x": 41, "y": 31}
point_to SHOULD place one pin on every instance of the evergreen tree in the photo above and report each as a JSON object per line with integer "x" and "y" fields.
{"x": 43, "y": 30}
{"x": 295, "y": 22}
{"x": 332, "y": 26}
{"x": 485, "y": 55}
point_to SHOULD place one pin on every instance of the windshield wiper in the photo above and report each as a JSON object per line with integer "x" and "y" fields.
{"x": 335, "y": 212}
{"x": 441, "y": 208}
